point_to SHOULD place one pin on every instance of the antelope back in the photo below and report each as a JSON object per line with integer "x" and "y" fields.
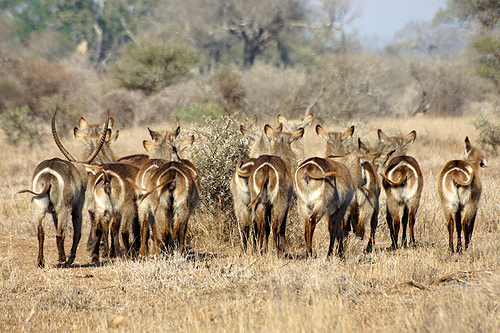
{"x": 335, "y": 141}
{"x": 399, "y": 144}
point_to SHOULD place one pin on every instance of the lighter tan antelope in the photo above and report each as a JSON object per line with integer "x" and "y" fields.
{"x": 403, "y": 182}
{"x": 239, "y": 184}
{"x": 115, "y": 208}
{"x": 459, "y": 189}
{"x": 58, "y": 188}
{"x": 271, "y": 188}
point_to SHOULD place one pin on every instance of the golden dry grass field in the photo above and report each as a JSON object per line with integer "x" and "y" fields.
{"x": 216, "y": 289}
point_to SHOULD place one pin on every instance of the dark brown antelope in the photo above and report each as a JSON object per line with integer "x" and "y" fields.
{"x": 368, "y": 202}
{"x": 58, "y": 188}
{"x": 115, "y": 208}
{"x": 459, "y": 189}
{"x": 168, "y": 191}
{"x": 364, "y": 203}
{"x": 239, "y": 184}
{"x": 403, "y": 182}
{"x": 324, "y": 188}
{"x": 271, "y": 187}
{"x": 169, "y": 196}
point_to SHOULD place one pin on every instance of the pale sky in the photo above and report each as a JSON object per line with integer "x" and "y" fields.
{"x": 380, "y": 19}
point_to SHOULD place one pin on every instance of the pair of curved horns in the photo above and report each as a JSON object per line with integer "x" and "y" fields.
{"x": 66, "y": 153}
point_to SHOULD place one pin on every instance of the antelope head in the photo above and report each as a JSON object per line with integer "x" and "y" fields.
{"x": 398, "y": 143}
{"x": 474, "y": 155}
{"x": 335, "y": 140}
{"x": 281, "y": 141}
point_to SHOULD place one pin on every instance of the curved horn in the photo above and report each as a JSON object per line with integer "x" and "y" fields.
{"x": 101, "y": 140}
{"x": 56, "y": 138}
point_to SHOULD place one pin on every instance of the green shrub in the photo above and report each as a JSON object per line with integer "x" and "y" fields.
{"x": 196, "y": 112}
{"x": 150, "y": 65}
{"x": 19, "y": 126}
{"x": 489, "y": 134}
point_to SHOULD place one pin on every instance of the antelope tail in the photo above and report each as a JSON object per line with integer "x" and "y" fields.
{"x": 43, "y": 192}
{"x": 459, "y": 181}
{"x": 261, "y": 190}
{"x": 322, "y": 175}
{"x": 134, "y": 184}
{"x": 399, "y": 182}
{"x": 170, "y": 180}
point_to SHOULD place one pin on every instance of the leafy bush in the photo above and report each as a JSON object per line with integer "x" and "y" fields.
{"x": 19, "y": 126}
{"x": 150, "y": 65}
{"x": 218, "y": 147}
{"x": 196, "y": 112}
{"x": 489, "y": 134}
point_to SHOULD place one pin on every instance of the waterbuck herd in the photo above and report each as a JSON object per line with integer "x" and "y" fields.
{"x": 146, "y": 200}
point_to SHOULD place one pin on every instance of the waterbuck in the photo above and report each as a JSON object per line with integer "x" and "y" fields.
{"x": 115, "y": 208}
{"x": 403, "y": 182}
{"x": 168, "y": 191}
{"x": 364, "y": 203}
{"x": 459, "y": 189}
{"x": 324, "y": 188}
{"x": 239, "y": 183}
{"x": 58, "y": 188}
{"x": 271, "y": 187}
{"x": 169, "y": 194}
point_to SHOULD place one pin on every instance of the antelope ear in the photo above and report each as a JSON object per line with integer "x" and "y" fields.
{"x": 409, "y": 138}
{"x": 80, "y": 136}
{"x": 468, "y": 146}
{"x": 246, "y": 132}
{"x": 320, "y": 131}
{"x": 83, "y": 124}
{"x": 155, "y": 136}
{"x": 269, "y": 131}
{"x": 177, "y": 131}
{"x": 298, "y": 134}
{"x": 148, "y": 145}
{"x": 114, "y": 137}
{"x": 383, "y": 137}
{"x": 111, "y": 122}
{"x": 307, "y": 120}
{"x": 362, "y": 147}
{"x": 281, "y": 119}
{"x": 279, "y": 129}
{"x": 348, "y": 133}
{"x": 108, "y": 135}
{"x": 186, "y": 143}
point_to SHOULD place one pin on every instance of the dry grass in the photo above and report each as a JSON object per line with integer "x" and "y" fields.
{"x": 217, "y": 289}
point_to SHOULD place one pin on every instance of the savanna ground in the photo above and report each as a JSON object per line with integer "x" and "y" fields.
{"x": 217, "y": 289}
